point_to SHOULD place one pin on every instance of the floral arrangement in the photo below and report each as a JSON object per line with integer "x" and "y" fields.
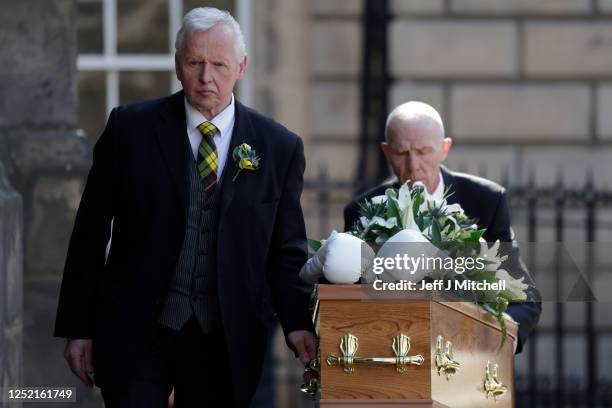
{"x": 411, "y": 215}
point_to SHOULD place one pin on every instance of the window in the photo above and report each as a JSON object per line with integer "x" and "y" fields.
{"x": 126, "y": 52}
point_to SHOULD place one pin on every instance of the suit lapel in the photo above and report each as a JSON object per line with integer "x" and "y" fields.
{"x": 172, "y": 137}
{"x": 242, "y": 133}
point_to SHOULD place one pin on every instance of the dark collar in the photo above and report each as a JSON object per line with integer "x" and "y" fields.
{"x": 449, "y": 182}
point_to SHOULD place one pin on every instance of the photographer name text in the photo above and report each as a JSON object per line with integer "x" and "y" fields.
{"x": 454, "y": 285}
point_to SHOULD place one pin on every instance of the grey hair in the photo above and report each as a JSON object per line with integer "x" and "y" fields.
{"x": 417, "y": 114}
{"x": 205, "y": 18}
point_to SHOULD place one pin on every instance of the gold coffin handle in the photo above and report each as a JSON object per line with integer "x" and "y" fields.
{"x": 493, "y": 387}
{"x": 444, "y": 359}
{"x": 400, "y": 346}
{"x": 313, "y": 385}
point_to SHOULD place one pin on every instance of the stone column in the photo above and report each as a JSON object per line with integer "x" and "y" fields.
{"x": 11, "y": 272}
{"x": 39, "y": 145}
{"x": 46, "y": 162}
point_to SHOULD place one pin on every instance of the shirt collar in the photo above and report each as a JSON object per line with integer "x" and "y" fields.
{"x": 439, "y": 191}
{"x": 223, "y": 121}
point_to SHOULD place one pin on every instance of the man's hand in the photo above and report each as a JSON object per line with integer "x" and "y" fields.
{"x": 305, "y": 343}
{"x": 78, "y": 355}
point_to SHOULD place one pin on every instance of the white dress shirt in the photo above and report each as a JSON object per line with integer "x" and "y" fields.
{"x": 439, "y": 191}
{"x": 224, "y": 121}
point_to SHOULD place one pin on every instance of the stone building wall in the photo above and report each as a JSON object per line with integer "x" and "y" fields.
{"x": 11, "y": 275}
{"x": 334, "y": 61}
{"x": 39, "y": 145}
{"x": 46, "y": 162}
{"x": 524, "y": 86}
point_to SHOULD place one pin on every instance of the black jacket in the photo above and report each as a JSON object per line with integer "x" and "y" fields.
{"x": 140, "y": 181}
{"x": 485, "y": 201}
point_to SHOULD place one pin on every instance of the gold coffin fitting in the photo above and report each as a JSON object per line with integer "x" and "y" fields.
{"x": 445, "y": 363}
{"x": 492, "y": 386}
{"x": 400, "y": 346}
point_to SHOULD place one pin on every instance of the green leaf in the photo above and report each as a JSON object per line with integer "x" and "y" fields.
{"x": 236, "y": 153}
{"x": 370, "y": 210}
{"x": 436, "y": 237}
{"x": 416, "y": 204}
{"x": 447, "y": 230}
{"x": 420, "y": 221}
{"x": 391, "y": 193}
{"x": 315, "y": 244}
{"x": 381, "y": 238}
{"x": 471, "y": 238}
{"x": 501, "y": 304}
{"x": 393, "y": 210}
{"x": 499, "y": 316}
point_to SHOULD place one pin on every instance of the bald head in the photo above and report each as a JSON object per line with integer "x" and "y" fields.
{"x": 414, "y": 117}
{"x": 415, "y": 144}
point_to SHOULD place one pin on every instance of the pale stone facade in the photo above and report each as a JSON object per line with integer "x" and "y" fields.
{"x": 11, "y": 288}
{"x": 519, "y": 83}
{"x": 46, "y": 162}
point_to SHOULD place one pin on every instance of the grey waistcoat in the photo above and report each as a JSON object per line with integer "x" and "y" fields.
{"x": 194, "y": 287}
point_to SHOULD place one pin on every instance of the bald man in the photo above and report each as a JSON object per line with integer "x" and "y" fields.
{"x": 415, "y": 146}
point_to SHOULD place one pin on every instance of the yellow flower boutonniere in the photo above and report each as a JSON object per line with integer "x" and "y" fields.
{"x": 245, "y": 158}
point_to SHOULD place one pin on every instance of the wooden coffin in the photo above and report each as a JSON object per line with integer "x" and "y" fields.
{"x": 475, "y": 336}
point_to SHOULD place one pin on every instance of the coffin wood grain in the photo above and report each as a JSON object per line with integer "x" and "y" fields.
{"x": 475, "y": 335}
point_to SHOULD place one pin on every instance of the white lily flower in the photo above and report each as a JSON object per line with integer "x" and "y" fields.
{"x": 410, "y": 223}
{"x": 391, "y": 222}
{"x": 386, "y": 223}
{"x": 515, "y": 286}
{"x": 454, "y": 221}
{"x": 379, "y": 199}
{"x": 364, "y": 221}
{"x": 489, "y": 255}
{"x": 404, "y": 199}
{"x": 380, "y": 221}
{"x": 452, "y": 208}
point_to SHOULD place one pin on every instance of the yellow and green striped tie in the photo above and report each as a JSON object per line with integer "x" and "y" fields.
{"x": 208, "y": 160}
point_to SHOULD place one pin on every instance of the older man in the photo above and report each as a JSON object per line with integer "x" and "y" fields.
{"x": 415, "y": 146}
{"x": 208, "y": 237}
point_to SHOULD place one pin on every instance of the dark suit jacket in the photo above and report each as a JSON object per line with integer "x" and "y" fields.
{"x": 486, "y": 202}
{"x": 140, "y": 181}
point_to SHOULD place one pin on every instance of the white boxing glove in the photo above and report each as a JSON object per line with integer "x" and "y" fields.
{"x": 312, "y": 270}
{"x": 347, "y": 258}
